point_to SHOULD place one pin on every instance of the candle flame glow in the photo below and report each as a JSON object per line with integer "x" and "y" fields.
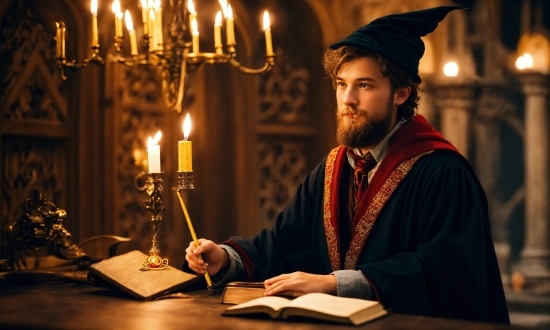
{"x": 150, "y": 4}
{"x": 128, "y": 21}
{"x": 218, "y": 21}
{"x": 154, "y": 141}
{"x": 223, "y": 4}
{"x": 157, "y": 4}
{"x": 524, "y": 62}
{"x": 152, "y": 15}
{"x": 191, "y": 7}
{"x": 194, "y": 26}
{"x": 450, "y": 69}
{"x": 116, "y": 7}
{"x": 144, "y": 4}
{"x": 186, "y": 126}
{"x": 229, "y": 12}
{"x": 267, "y": 23}
{"x": 93, "y": 7}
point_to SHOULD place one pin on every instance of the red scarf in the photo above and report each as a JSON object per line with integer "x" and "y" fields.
{"x": 414, "y": 139}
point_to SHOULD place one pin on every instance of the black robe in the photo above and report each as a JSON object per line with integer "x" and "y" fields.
{"x": 428, "y": 252}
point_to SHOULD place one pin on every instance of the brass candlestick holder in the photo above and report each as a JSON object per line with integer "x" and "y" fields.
{"x": 154, "y": 203}
{"x": 185, "y": 182}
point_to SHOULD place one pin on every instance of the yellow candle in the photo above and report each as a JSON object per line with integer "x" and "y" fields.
{"x": 218, "y": 33}
{"x": 230, "y": 27}
{"x": 158, "y": 25}
{"x": 145, "y": 17}
{"x": 130, "y": 27}
{"x": 152, "y": 31}
{"x": 95, "y": 38}
{"x": 118, "y": 18}
{"x": 267, "y": 29}
{"x": 57, "y": 39}
{"x": 195, "y": 33}
{"x": 185, "y": 156}
{"x": 62, "y": 40}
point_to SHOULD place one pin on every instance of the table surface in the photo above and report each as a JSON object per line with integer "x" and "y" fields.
{"x": 64, "y": 305}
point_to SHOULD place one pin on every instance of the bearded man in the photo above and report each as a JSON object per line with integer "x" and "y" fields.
{"x": 394, "y": 214}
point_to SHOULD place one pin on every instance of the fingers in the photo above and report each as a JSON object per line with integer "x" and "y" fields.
{"x": 193, "y": 257}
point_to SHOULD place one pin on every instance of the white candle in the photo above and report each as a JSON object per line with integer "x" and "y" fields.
{"x": 153, "y": 153}
{"x": 267, "y": 29}
{"x": 195, "y": 33}
{"x": 218, "y": 33}
{"x": 145, "y": 16}
{"x": 118, "y": 18}
{"x": 230, "y": 27}
{"x": 130, "y": 27}
{"x": 158, "y": 26}
{"x": 95, "y": 38}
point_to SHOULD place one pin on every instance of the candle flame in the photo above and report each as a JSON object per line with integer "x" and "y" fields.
{"x": 116, "y": 7}
{"x": 157, "y": 4}
{"x": 154, "y": 141}
{"x": 450, "y": 69}
{"x": 150, "y": 4}
{"x": 223, "y": 4}
{"x": 218, "y": 21}
{"x": 152, "y": 15}
{"x": 144, "y": 4}
{"x": 525, "y": 61}
{"x": 229, "y": 12}
{"x": 267, "y": 23}
{"x": 186, "y": 126}
{"x": 194, "y": 26}
{"x": 191, "y": 7}
{"x": 93, "y": 7}
{"x": 128, "y": 21}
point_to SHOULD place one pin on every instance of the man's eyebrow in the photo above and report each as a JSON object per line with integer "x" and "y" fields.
{"x": 358, "y": 79}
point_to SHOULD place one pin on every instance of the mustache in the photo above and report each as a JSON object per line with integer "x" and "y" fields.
{"x": 350, "y": 112}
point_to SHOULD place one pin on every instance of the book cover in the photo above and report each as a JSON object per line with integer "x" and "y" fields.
{"x": 313, "y": 305}
{"x": 124, "y": 272}
{"x": 240, "y": 292}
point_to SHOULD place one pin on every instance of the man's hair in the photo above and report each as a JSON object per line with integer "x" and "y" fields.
{"x": 335, "y": 58}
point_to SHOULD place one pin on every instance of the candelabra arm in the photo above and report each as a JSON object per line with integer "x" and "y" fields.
{"x": 269, "y": 63}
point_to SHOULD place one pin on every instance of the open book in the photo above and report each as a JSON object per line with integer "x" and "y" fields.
{"x": 124, "y": 273}
{"x": 314, "y": 305}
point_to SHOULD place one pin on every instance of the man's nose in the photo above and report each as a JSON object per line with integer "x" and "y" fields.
{"x": 350, "y": 97}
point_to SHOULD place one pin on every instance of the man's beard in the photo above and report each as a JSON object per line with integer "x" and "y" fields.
{"x": 367, "y": 134}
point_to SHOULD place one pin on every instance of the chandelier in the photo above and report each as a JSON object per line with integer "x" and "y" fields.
{"x": 174, "y": 54}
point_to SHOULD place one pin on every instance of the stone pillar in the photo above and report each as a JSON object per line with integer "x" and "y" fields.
{"x": 456, "y": 102}
{"x": 535, "y": 256}
{"x": 426, "y": 105}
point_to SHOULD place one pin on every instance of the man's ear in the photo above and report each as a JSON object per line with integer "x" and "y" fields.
{"x": 401, "y": 95}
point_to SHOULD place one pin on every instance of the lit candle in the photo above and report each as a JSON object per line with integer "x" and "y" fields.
{"x": 230, "y": 27}
{"x": 130, "y": 27}
{"x": 118, "y": 18}
{"x": 57, "y": 39}
{"x": 93, "y": 9}
{"x": 152, "y": 31}
{"x": 145, "y": 17}
{"x": 192, "y": 11}
{"x": 185, "y": 155}
{"x": 153, "y": 153}
{"x": 158, "y": 25}
{"x": 267, "y": 29}
{"x": 218, "y": 33}
{"x": 195, "y": 32}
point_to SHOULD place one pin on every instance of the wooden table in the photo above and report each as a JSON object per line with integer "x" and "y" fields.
{"x": 63, "y": 305}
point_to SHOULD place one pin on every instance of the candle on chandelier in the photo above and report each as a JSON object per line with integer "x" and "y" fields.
{"x": 158, "y": 25}
{"x": 118, "y": 18}
{"x": 230, "y": 27}
{"x": 62, "y": 25}
{"x": 195, "y": 33}
{"x": 95, "y": 38}
{"x": 152, "y": 31}
{"x": 132, "y": 32}
{"x": 267, "y": 29}
{"x": 153, "y": 153}
{"x": 145, "y": 16}
{"x": 218, "y": 33}
{"x": 57, "y": 39}
{"x": 185, "y": 155}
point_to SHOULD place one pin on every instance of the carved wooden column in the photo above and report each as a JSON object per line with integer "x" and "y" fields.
{"x": 535, "y": 256}
{"x": 456, "y": 102}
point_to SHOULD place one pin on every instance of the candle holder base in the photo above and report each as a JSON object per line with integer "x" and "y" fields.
{"x": 154, "y": 203}
{"x": 154, "y": 262}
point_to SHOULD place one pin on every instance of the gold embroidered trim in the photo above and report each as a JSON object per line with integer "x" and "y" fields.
{"x": 332, "y": 240}
{"x": 367, "y": 221}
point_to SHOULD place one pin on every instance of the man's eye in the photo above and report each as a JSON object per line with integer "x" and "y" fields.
{"x": 363, "y": 85}
{"x": 340, "y": 84}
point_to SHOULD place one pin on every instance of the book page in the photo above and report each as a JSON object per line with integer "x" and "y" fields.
{"x": 332, "y": 305}
{"x": 275, "y": 303}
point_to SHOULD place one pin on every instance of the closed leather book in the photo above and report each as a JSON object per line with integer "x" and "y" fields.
{"x": 125, "y": 272}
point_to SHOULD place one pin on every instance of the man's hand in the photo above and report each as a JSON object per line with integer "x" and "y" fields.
{"x": 215, "y": 258}
{"x": 298, "y": 283}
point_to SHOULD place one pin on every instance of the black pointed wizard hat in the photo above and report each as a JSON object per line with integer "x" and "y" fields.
{"x": 397, "y": 37}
